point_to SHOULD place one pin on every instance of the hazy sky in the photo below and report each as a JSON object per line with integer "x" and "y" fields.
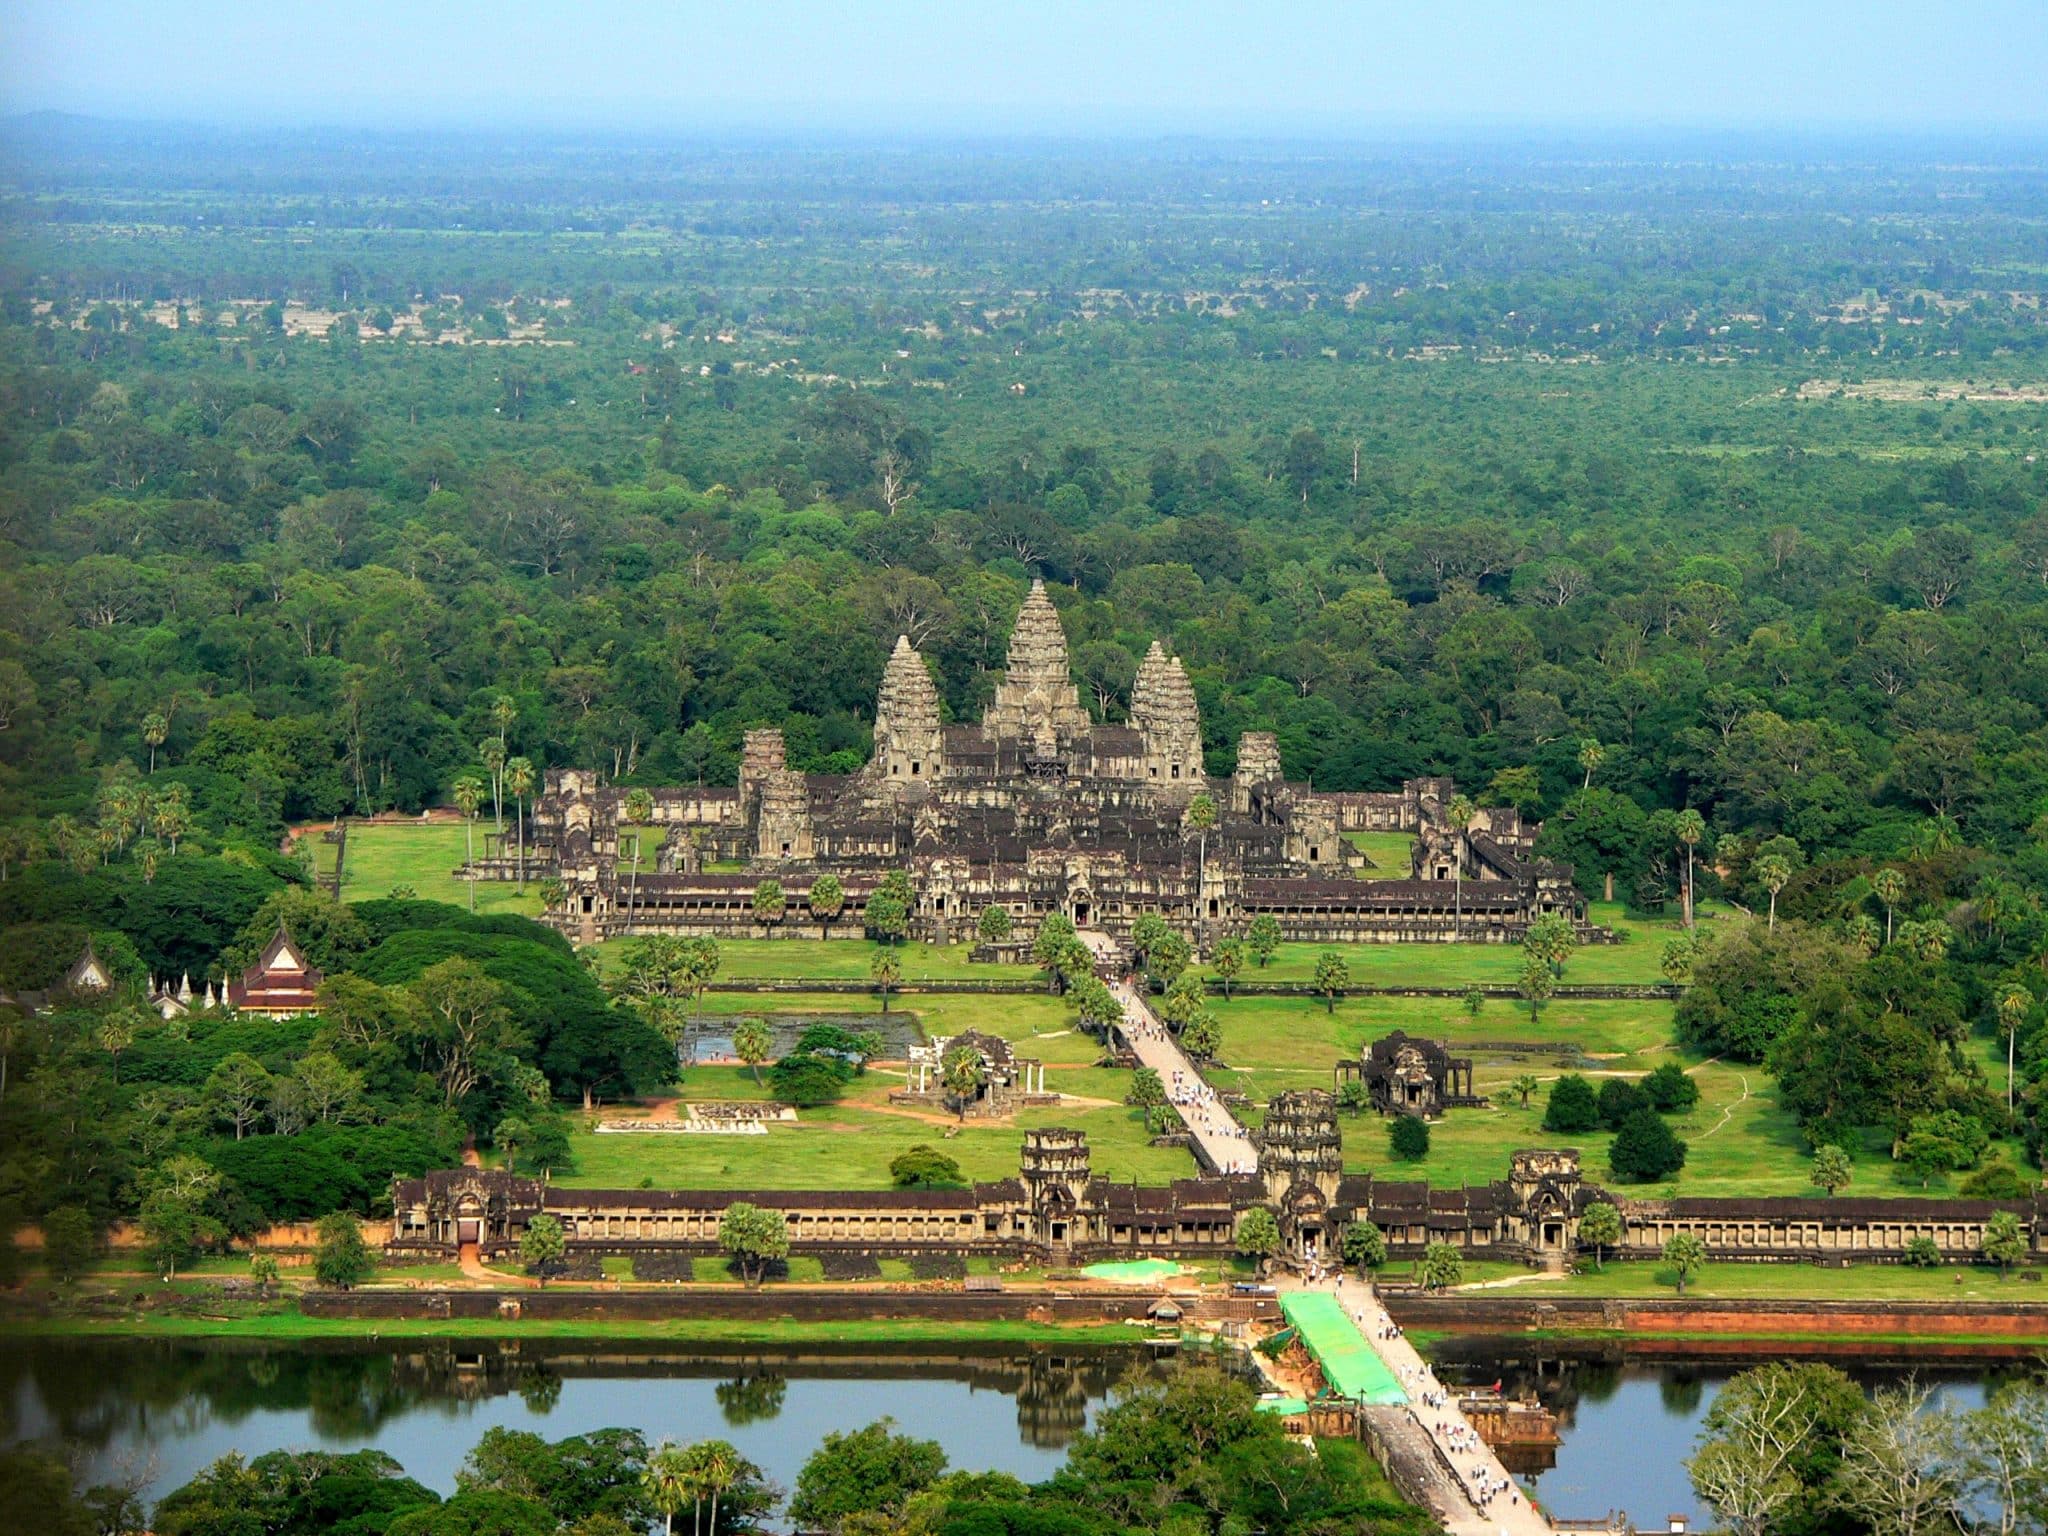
{"x": 1036, "y": 64}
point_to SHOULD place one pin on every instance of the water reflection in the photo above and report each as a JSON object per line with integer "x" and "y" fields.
{"x": 183, "y": 1404}
{"x": 1627, "y": 1421}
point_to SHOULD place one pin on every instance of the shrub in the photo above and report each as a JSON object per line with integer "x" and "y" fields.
{"x": 1670, "y": 1091}
{"x": 1618, "y": 1099}
{"x": 1645, "y": 1149}
{"x": 1921, "y": 1253}
{"x": 1572, "y": 1106}
{"x": 1409, "y": 1138}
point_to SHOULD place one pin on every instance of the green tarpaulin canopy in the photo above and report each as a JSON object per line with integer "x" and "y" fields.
{"x": 1136, "y": 1272}
{"x": 1349, "y": 1363}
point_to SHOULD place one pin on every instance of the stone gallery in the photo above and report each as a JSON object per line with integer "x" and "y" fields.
{"x": 1037, "y": 809}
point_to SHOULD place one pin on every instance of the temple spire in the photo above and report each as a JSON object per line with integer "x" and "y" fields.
{"x": 1037, "y": 697}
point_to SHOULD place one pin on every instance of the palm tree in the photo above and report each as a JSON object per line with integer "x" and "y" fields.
{"x": 173, "y": 815}
{"x": 639, "y": 810}
{"x": 1772, "y": 871}
{"x": 1692, "y": 826}
{"x": 519, "y": 780}
{"x": 717, "y": 1465}
{"x": 1458, "y": 817}
{"x": 154, "y": 729}
{"x": 2013, "y": 1004}
{"x": 469, "y": 798}
{"x": 1890, "y": 887}
{"x": 1591, "y": 755}
{"x": 1201, "y": 817}
{"x": 491, "y": 752}
{"x": 670, "y": 1481}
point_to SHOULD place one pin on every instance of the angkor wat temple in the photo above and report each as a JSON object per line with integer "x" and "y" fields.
{"x": 1058, "y": 1211}
{"x": 1038, "y": 808}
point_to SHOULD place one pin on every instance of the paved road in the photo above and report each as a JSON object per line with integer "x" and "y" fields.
{"x": 1506, "y": 1511}
{"x": 1224, "y": 1143}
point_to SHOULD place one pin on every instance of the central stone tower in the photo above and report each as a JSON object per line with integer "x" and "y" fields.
{"x": 1036, "y": 702}
{"x": 1163, "y": 709}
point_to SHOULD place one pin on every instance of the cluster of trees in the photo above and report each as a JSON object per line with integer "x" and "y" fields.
{"x": 434, "y": 1027}
{"x": 1789, "y": 1450}
{"x": 1185, "y": 1454}
{"x": 1644, "y": 1148}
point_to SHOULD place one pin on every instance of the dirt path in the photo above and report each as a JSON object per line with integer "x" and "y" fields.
{"x": 1728, "y": 1111}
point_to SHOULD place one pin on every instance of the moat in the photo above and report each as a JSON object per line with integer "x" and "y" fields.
{"x": 162, "y": 1410}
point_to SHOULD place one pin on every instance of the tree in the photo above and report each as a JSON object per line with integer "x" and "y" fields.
{"x": 1551, "y": 939}
{"x": 1365, "y": 1246}
{"x": 1573, "y": 1106}
{"x": 115, "y": 1035}
{"x": 1691, "y": 827}
{"x": 964, "y": 1074}
{"x": 542, "y": 1245}
{"x": 1458, "y": 817}
{"x": 237, "y": 1090}
{"x": 769, "y": 903}
{"x": 263, "y": 1270}
{"x": 1200, "y": 816}
{"x": 638, "y": 810}
{"x": 1227, "y": 961}
{"x": 1333, "y": 975}
{"x": 1474, "y": 1001}
{"x": 1831, "y": 1170}
{"x": 1685, "y": 1254}
{"x": 1258, "y": 1236}
{"x": 325, "y": 1086}
{"x": 520, "y": 779}
{"x": 887, "y": 917}
{"x": 670, "y": 1481}
{"x": 885, "y": 970}
{"x": 1772, "y": 871}
{"x": 68, "y": 1241}
{"x": 2005, "y": 1241}
{"x": 1147, "y": 1091}
{"x": 1537, "y": 985}
{"x": 754, "y": 1238}
{"x": 1202, "y": 1036}
{"x": 469, "y": 798}
{"x": 2012, "y": 1007}
{"x": 1681, "y": 954}
{"x": 1524, "y": 1085}
{"x": 1600, "y": 1225}
{"x": 1768, "y": 1450}
{"x": 994, "y": 926}
{"x": 924, "y": 1167}
{"x": 1262, "y": 938}
{"x": 155, "y": 727}
{"x": 1899, "y": 1464}
{"x": 1671, "y": 1090}
{"x": 870, "y": 1472}
{"x": 1146, "y": 930}
{"x": 1408, "y": 1138}
{"x": 1644, "y": 1148}
{"x": 1052, "y": 950}
{"x": 1442, "y": 1267}
{"x": 1166, "y": 961}
{"x": 754, "y": 1043}
{"x": 1923, "y": 1252}
{"x": 826, "y": 900}
{"x": 1591, "y": 756}
{"x": 1889, "y": 886}
{"x": 2003, "y": 1460}
{"x": 340, "y": 1257}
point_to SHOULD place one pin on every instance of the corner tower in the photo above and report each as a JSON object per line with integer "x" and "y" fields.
{"x": 1163, "y": 709}
{"x": 908, "y": 742}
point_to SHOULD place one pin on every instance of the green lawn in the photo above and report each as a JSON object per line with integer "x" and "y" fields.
{"x": 1858, "y": 1282}
{"x": 1038, "y": 1023}
{"x": 1389, "y": 852}
{"x": 425, "y": 857}
{"x": 801, "y": 957}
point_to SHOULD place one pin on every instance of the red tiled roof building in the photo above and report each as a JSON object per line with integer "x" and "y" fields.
{"x": 281, "y": 984}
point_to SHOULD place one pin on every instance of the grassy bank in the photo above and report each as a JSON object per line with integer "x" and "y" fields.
{"x": 1651, "y": 1279}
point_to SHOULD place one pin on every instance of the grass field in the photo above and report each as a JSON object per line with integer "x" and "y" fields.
{"x": 1787, "y": 1282}
{"x": 424, "y": 857}
{"x": 840, "y": 959}
{"x": 1388, "y": 851}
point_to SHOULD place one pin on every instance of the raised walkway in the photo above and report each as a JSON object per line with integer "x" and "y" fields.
{"x": 1471, "y": 1492}
{"x": 1224, "y": 1145}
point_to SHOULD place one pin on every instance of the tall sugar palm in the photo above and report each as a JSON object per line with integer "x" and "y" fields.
{"x": 638, "y": 810}
{"x": 469, "y": 799}
{"x": 1890, "y": 887}
{"x": 2013, "y": 1004}
{"x": 670, "y": 1481}
{"x": 718, "y": 1466}
{"x": 1691, "y": 827}
{"x": 1458, "y": 817}
{"x": 519, "y": 782}
{"x": 155, "y": 727}
{"x": 491, "y": 753}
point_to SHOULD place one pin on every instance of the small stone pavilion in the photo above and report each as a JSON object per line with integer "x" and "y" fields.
{"x": 1009, "y": 1082}
{"x": 1406, "y": 1076}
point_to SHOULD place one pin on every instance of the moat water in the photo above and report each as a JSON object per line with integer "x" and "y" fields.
{"x": 160, "y": 1411}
